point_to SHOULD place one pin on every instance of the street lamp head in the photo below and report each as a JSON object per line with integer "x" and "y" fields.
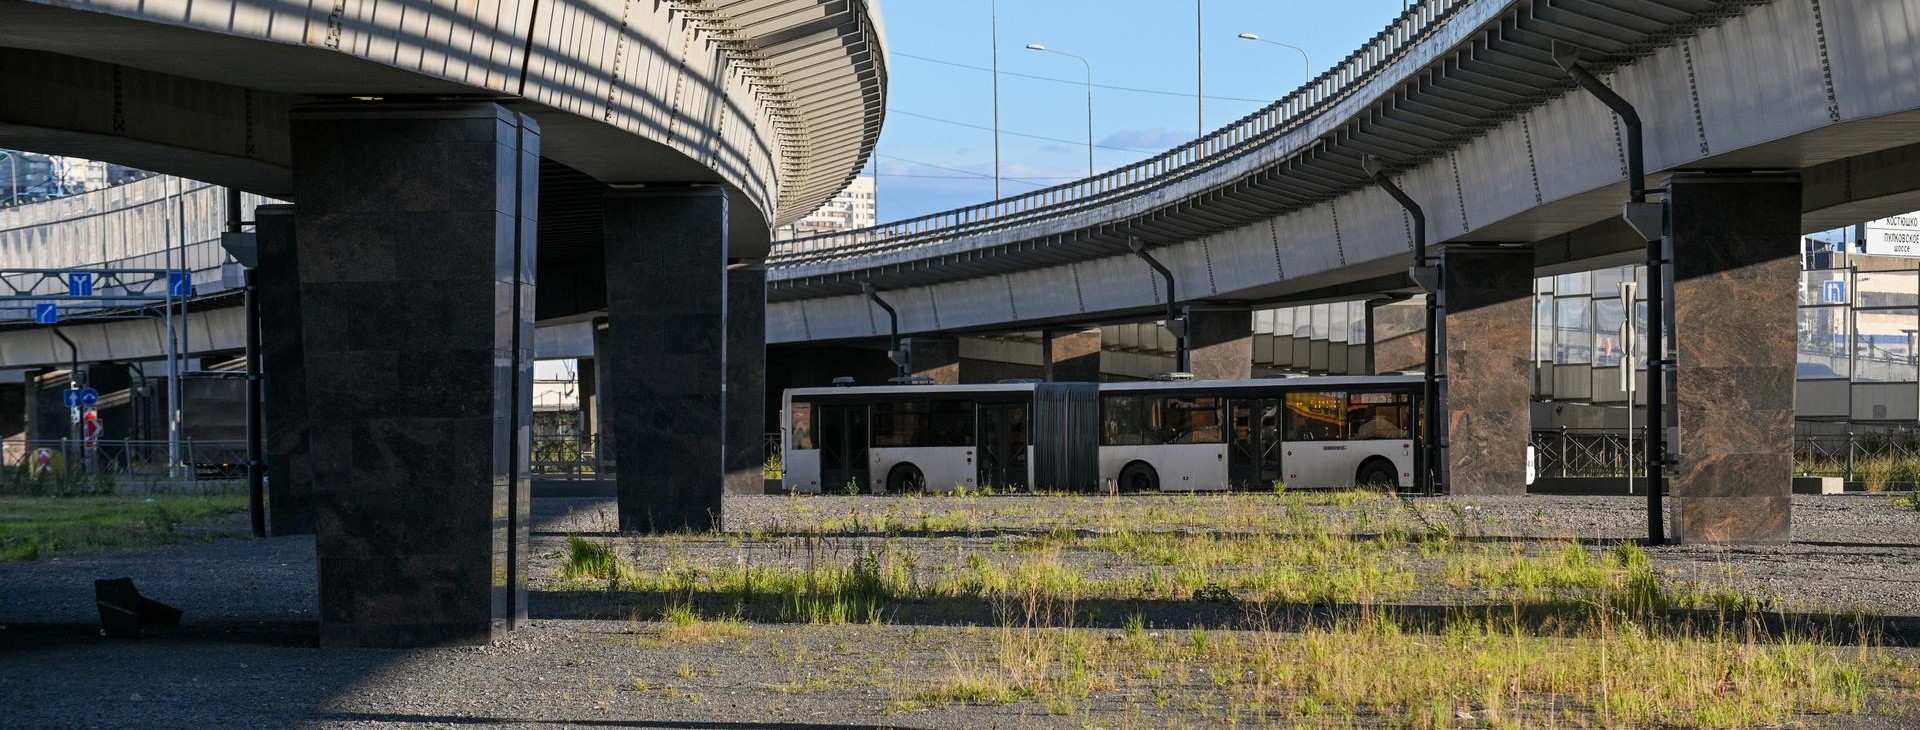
{"x": 1250, "y": 36}
{"x": 1035, "y": 47}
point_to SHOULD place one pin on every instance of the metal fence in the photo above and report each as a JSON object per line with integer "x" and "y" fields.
{"x": 65, "y": 466}
{"x": 1586, "y": 453}
{"x": 580, "y": 456}
{"x": 568, "y": 455}
{"x": 1876, "y": 458}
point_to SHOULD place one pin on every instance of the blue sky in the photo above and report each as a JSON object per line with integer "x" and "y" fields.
{"x": 936, "y": 151}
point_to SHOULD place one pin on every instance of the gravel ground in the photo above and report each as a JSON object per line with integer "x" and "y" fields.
{"x": 244, "y": 659}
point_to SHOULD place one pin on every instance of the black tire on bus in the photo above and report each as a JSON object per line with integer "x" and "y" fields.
{"x": 906, "y": 479}
{"x": 1377, "y": 473}
{"x": 1139, "y": 477}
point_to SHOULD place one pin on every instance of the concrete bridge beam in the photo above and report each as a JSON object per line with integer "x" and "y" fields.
{"x": 1735, "y": 242}
{"x": 1486, "y": 332}
{"x": 416, "y": 311}
{"x": 664, "y": 355}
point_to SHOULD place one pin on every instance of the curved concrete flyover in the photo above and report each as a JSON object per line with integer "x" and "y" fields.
{"x": 1487, "y": 133}
{"x": 778, "y": 100}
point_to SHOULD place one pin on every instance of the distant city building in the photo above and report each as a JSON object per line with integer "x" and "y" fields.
{"x": 852, "y": 208}
{"x": 27, "y": 177}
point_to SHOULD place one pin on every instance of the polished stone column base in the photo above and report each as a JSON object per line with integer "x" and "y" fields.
{"x": 1736, "y": 273}
{"x": 1487, "y": 335}
{"x": 933, "y": 357}
{"x": 746, "y": 380}
{"x": 1219, "y": 343}
{"x": 416, "y": 306}
{"x": 1073, "y": 356}
{"x": 1397, "y": 336}
{"x": 665, "y": 355}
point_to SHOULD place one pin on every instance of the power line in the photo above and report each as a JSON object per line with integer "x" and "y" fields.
{"x": 1057, "y": 80}
{"x": 1074, "y": 142}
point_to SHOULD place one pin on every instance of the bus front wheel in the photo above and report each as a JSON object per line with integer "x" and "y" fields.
{"x": 1138, "y": 477}
{"x": 1377, "y": 473}
{"x": 905, "y": 479}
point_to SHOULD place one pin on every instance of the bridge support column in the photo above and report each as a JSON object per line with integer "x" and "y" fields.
{"x": 1219, "y": 343}
{"x": 1735, "y": 247}
{"x": 1487, "y": 331}
{"x": 416, "y": 304}
{"x": 665, "y": 351}
{"x": 1397, "y": 335}
{"x": 1073, "y": 356}
{"x": 934, "y": 357}
{"x": 284, "y": 389}
{"x": 746, "y": 380}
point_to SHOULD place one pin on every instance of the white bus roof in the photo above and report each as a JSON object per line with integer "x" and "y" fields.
{"x": 1307, "y": 383}
{"x": 915, "y": 389}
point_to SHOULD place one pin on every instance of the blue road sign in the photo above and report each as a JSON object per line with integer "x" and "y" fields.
{"x": 179, "y": 284}
{"x": 80, "y": 284}
{"x": 73, "y": 397}
{"x": 89, "y": 397}
{"x": 1833, "y": 292}
{"x": 46, "y": 313}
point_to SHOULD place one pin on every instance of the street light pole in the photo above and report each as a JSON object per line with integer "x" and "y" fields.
{"x": 1303, "y": 52}
{"x": 1199, "y": 74}
{"x": 1089, "y": 69}
{"x": 994, "y": 38}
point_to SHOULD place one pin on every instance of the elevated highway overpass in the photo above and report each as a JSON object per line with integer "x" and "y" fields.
{"x": 457, "y": 171}
{"x": 1763, "y": 119}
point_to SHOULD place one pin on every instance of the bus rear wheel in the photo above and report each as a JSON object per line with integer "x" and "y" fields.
{"x": 1377, "y": 473}
{"x": 906, "y": 479}
{"x": 1138, "y": 477}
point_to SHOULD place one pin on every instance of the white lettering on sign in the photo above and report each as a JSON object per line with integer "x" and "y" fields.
{"x": 1894, "y": 236}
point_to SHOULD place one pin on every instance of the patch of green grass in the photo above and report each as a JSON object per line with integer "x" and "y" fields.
{"x": 37, "y": 527}
{"x": 589, "y": 560}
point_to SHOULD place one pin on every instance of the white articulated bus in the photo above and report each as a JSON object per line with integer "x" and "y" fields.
{"x": 908, "y": 438}
{"x": 1317, "y": 432}
{"x": 1309, "y": 433}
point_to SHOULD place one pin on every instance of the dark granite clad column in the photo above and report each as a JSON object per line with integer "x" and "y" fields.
{"x": 1398, "y": 335}
{"x": 746, "y": 380}
{"x": 1736, "y": 272}
{"x": 284, "y": 389}
{"x": 1073, "y": 356}
{"x": 416, "y": 277}
{"x": 1219, "y": 343}
{"x": 1487, "y": 333}
{"x": 664, "y": 352}
{"x": 933, "y": 357}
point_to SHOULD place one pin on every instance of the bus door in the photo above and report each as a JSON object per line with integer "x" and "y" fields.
{"x": 1253, "y": 456}
{"x": 1003, "y": 445}
{"x": 843, "y": 447}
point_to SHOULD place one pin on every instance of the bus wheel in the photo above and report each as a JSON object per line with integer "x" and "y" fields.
{"x": 1138, "y": 477}
{"x": 1377, "y": 473}
{"x": 905, "y": 479}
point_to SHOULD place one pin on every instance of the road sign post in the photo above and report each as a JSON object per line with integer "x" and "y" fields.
{"x": 90, "y": 429}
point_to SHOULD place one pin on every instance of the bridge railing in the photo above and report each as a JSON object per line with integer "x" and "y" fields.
{"x": 1302, "y": 104}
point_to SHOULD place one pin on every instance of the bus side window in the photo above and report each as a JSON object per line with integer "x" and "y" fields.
{"x": 1191, "y": 420}
{"x": 1316, "y": 416}
{"x": 1123, "y": 420}
{"x": 1378, "y": 416}
{"x": 802, "y": 426}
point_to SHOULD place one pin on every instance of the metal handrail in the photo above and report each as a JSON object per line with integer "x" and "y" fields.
{"x": 1253, "y": 130}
